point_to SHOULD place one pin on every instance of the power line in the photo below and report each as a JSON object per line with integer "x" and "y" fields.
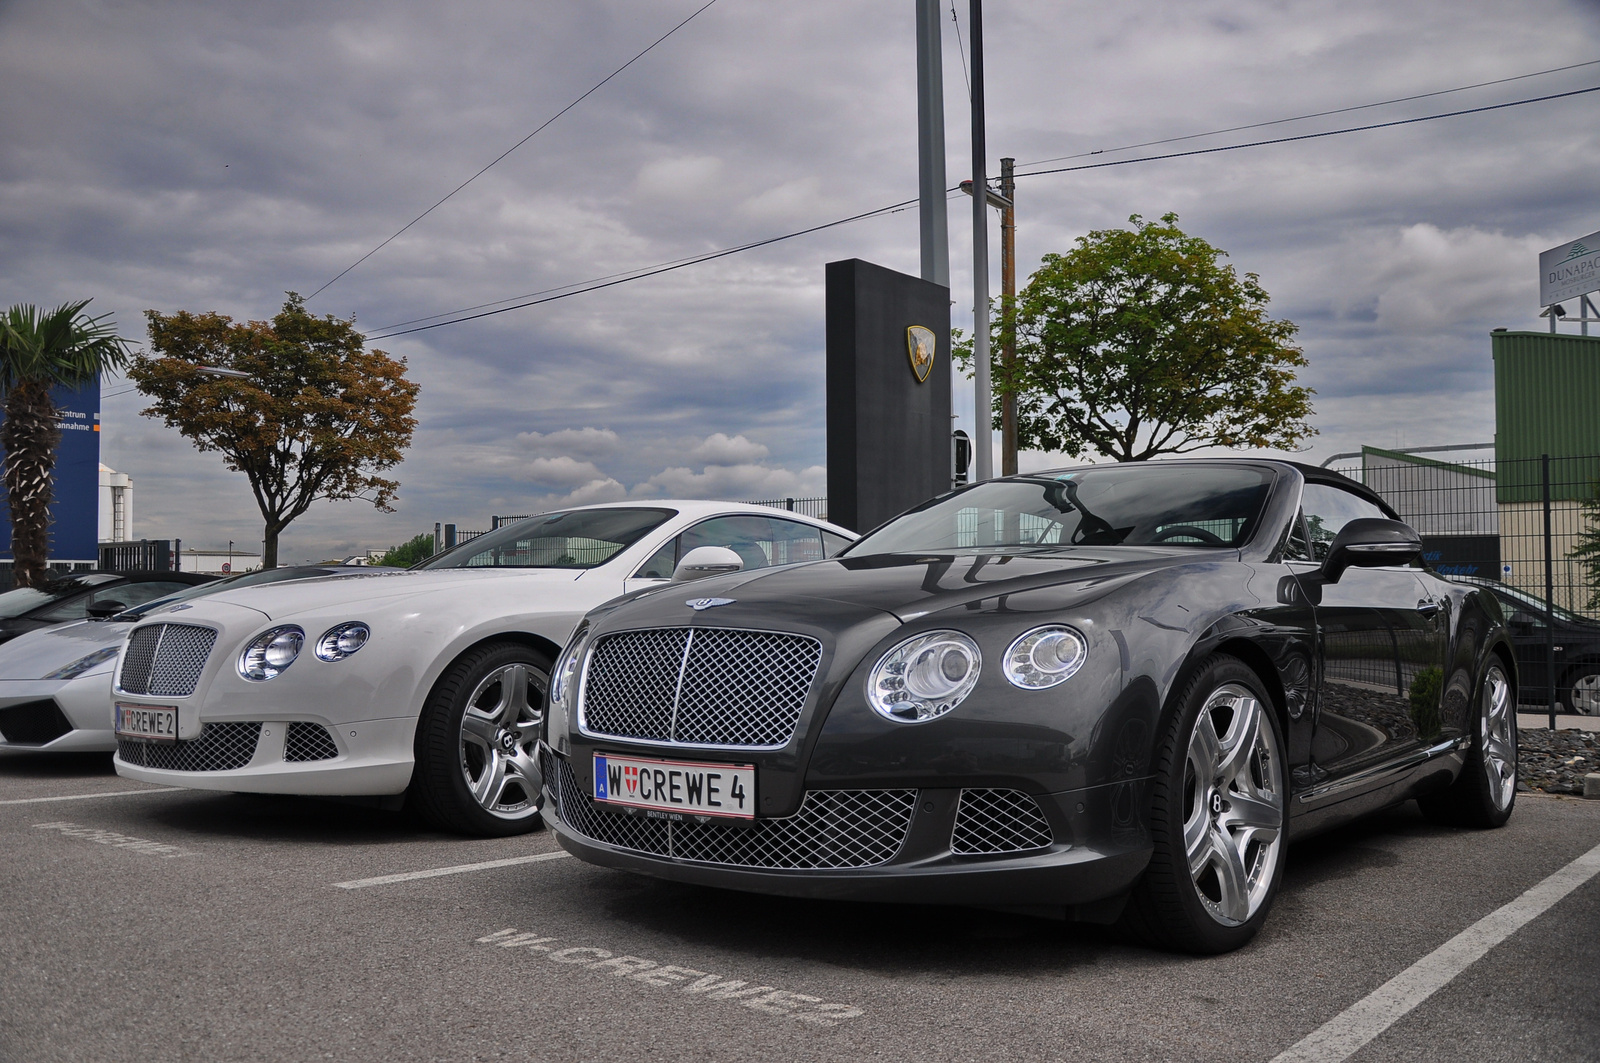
{"x": 592, "y": 89}
{"x": 615, "y": 279}
{"x": 650, "y": 272}
{"x": 1313, "y": 136}
{"x": 1303, "y": 117}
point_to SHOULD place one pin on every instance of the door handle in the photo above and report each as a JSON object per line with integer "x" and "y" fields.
{"x": 1428, "y": 608}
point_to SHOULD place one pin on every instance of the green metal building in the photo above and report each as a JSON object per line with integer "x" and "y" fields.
{"x": 1546, "y": 401}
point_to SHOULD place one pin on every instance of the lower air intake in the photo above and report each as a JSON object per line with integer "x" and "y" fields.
{"x": 832, "y": 829}
{"x": 218, "y": 747}
{"x": 991, "y": 822}
{"x": 308, "y": 741}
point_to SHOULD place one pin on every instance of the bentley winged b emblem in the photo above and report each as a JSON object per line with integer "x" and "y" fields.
{"x": 699, "y": 604}
{"x": 920, "y": 346}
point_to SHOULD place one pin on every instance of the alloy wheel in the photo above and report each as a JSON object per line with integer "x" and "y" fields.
{"x": 1498, "y": 737}
{"x": 499, "y": 732}
{"x": 1585, "y": 695}
{"x": 1233, "y": 805}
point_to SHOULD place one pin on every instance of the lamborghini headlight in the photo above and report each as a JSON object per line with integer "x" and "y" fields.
{"x": 924, "y": 677}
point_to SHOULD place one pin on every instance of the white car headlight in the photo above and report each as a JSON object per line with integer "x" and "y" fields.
{"x": 566, "y": 669}
{"x": 1045, "y": 656}
{"x": 337, "y": 643}
{"x": 83, "y": 664}
{"x": 271, "y": 652}
{"x": 924, "y": 677}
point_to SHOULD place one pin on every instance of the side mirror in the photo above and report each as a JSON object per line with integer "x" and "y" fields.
{"x": 101, "y": 610}
{"x": 705, "y": 561}
{"x": 1370, "y": 542}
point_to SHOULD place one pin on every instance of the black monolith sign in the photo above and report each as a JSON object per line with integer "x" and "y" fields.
{"x": 888, "y": 392}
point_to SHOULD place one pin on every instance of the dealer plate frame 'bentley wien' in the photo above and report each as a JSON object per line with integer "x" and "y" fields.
{"x": 689, "y": 787}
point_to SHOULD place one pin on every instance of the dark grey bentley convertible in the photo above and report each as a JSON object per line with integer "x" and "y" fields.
{"x": 1114, "y": 691}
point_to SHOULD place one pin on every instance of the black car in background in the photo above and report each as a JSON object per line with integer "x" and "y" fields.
{"x": 1577, "y": 650}
{"x": 86, "y": 594}
{"x": 1109, "y": 692}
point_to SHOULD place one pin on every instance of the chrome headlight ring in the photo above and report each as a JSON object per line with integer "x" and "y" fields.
{"x": 270, "y": 653}
{"x": 565, "y": 672}
{"x": 342, "y": 641}
{"x": 1045, "y": 657}
{"x": 924, "y": 677}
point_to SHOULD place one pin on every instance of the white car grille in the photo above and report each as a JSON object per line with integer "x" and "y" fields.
{"x": 165, "y": 660}
{"x": 218, "y": 747}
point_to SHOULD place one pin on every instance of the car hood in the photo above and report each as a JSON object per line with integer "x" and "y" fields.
{"x": 35, "y": 654}
{"x": 914, "y": 585}
{"x": 286, "y": 599}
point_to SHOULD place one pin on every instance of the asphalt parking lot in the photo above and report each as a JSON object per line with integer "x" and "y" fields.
{"x": 177, "y": 925}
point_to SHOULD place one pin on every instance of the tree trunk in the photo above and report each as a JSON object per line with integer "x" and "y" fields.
{"x": 29, "y": 437}
{"x": 269, "y": 545}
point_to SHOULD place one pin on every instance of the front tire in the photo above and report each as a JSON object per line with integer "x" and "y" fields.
{"x": 1218, "y": 811}
{"x": 1485, "y": 792}
{"x": 477, "y": 769}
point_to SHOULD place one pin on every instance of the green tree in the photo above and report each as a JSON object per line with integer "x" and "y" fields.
{"x": 37, "y": 352}
{"x": 408, "y": 553}
{"x": 318, "y": 417}
{"x": 1587, "y": 550}
{"x": 1141, "y": 342}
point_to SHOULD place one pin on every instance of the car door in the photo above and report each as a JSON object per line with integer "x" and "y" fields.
{"x": 1382, "y": 648}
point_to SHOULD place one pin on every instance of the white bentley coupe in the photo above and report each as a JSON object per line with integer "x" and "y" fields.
{"x": 428, "y": 685}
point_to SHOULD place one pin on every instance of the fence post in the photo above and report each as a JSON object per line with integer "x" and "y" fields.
{"x": 450, "y": 535}
{"x": 1549, "y": 598}
{"x": 791, "y": 504}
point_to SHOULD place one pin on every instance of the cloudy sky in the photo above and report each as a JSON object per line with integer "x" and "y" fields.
{"x": 162, "y": 154}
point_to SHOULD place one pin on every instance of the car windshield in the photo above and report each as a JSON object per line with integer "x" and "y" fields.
{"x": 580, "y": 538}
{"x": 24, "y": 600}
{"x": 1115, "y": 505}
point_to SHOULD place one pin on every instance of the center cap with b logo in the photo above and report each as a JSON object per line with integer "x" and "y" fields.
{"x": 508, "y": 740}
{"x": 1216, "y": 804}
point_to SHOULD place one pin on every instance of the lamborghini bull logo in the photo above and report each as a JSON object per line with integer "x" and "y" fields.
{"x": 920, "y": 345}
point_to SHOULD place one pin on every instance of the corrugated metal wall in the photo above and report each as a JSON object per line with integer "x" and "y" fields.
{"x": 1546, "y": 401}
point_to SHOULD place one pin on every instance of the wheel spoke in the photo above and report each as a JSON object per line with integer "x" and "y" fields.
{"x": 1205, "y": 750}
{"x": 1239, "y": 744}
{"x": 1232, "y": 879}
{"x": 513, "y": 695}
{"x": 478, "y": 729}
{"x": 1252, "y": 813}
{"x": 1197, "y": 845}
{"x": 486, "y": 789}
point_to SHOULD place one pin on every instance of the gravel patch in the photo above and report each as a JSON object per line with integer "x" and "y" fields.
{"x": 1555, "y": 762}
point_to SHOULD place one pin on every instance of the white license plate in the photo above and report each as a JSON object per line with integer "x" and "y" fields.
{"x": 693, "y": 788}
{"x": 153, "y": 723}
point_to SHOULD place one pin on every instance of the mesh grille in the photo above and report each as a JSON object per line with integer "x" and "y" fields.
{"x": 998, "y": 821}
{"x": 218, "y": 747}
{"x": 165, "y": 660}
{"x": 833, "y": 829}
{"x": 309, "y": 741}
{"x": 738, "y": 688}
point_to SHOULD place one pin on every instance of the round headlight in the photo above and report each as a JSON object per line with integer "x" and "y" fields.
{"x": 924, "y": 677}
{"x": 340, "y": 642}
{"x": 566, "y": 669}
{"x": 270, "y": 652}
{"x": 1045, "y": 656}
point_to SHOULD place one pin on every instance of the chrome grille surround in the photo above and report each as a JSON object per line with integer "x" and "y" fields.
{"x": 834, "y": 829}
{"x": 992, "y": 822}
{"x": 700, "y": 686}
{"x": 308, "y": 741}
{"x": 165, "y": 660}
{"x": 218, "y": 747}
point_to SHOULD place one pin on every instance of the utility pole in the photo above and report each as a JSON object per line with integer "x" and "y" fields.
{"x": 983, "y": 433}
{"x": 935, "y": 216}
{"x": 1008, "y": 304}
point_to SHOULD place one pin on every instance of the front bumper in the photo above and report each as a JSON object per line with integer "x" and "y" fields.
{"x": 1098, "y": 848}
{"x": 372, "y": 758}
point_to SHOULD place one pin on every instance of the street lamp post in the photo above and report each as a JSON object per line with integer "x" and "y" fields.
{"x": 983, "y": 433}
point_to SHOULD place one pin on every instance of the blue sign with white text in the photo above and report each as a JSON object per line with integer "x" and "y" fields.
{"x": 75, "y": 510}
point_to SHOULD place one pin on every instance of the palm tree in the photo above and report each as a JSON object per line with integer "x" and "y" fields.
{"x": 37, "y": 352}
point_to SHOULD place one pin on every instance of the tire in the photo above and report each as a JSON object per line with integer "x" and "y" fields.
{"x": 1485, "y": 792}
{"x": 1580, "y": 693}
{"x": 1219, "y": 804}
{"x": 477, "y": 769}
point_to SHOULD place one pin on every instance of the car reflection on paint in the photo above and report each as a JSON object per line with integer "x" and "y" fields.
{"x": 1576, "y": 649}
{"x": 1113, "y": 692}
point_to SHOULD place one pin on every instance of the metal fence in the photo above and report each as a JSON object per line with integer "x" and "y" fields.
{"x": 1521, "y": 522}
{"x": 140, "y": 555}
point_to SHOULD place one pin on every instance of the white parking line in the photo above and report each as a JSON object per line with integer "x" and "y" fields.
{"x": 85, "y": 797}
{"x": 384, "y": 880}
{"x": 1342, "y": 1036}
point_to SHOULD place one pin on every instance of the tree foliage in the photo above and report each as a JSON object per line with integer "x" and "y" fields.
{"x": 408, "y": 553}
{"x": 318, "y": 417}
{"x": 39, "y": 351}
{"x": 1141, "y": 342}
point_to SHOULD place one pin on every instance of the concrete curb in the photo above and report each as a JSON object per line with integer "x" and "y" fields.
{"x": 1591, "y": 785}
